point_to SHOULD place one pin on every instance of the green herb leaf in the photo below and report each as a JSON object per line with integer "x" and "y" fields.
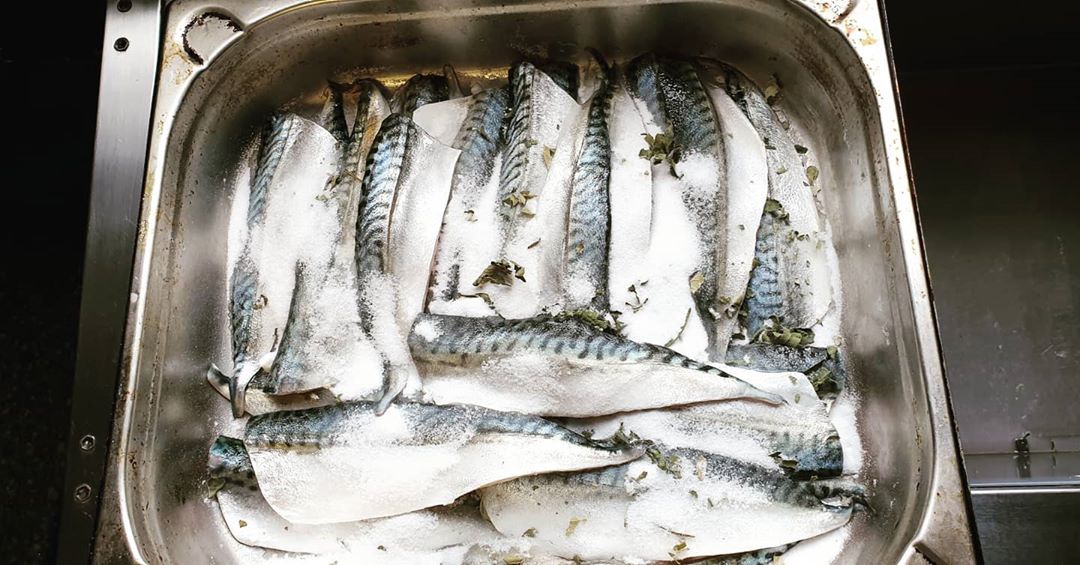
{"x": 501, "y": 273}
{"x": 776, "y": 333}
{"x": 529, "y": 533}
{"x": 812, "y": 174}
{"x": 801, "y": 150}
{"x": 669, "y": 464}
{"x": 661, "y": 148}
{"x": 573, "y": 525}
{"x": 775, "y": 209}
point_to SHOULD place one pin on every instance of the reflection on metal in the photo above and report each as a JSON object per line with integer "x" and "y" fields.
{"x": 284, "y": 50}
{"x": 1028, "y": 525}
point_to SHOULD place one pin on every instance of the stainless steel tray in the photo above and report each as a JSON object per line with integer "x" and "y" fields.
{"x": 224, "y": 65}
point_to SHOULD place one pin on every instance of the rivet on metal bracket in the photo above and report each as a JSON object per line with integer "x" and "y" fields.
{"x": 82, "y": 493}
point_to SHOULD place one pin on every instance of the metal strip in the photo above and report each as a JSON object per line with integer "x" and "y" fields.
{"x": 128, "y": 75}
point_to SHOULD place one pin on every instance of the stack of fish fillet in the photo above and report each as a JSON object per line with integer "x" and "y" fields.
{"x": 584, "y": 315}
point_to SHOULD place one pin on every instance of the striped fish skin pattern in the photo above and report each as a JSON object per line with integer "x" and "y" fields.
{"x": 326, "y": 426}
{"x": 378, "y": 190}
{"x": 766, "y": 296}
{"x": 787, "y": 282}
{"x": 420, "y": 90}
{"x": 589, "y": 222}
{"x": 462, "y": 340}
{"x": 368, "y": 89}
{"x": 673, "y": 92}
{"x": 779, "y": 486}
{"x": 290, "y": 364}
{"x": 480, "y": 140}
{"x": 243, "y": 296}
{"x": 332, "y": 116}
{"x": 229, "y": 464}
{"x": 675, "y": 96}
{"x": 515, "y": 157}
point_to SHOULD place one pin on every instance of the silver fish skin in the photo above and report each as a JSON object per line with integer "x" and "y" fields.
{"x": 589, "y": 221}
{"x": 790, "y": 282}
{"x": 480, "y": 140}
{"x": 257, "y": 402}
{"x": 378, "y": 195}
{"x": 320, "y": 346}
{"x": 559, "y": 366}
{"x": 674, "y": 94}
{"x": 295, "y": 160}
{"x": 332, "y": 115}
{"x": 371, "y": 108}
{"x": 420, "y": 90}
{"x": 243, "y": 296}
{"x": 824, "y": 368}
{"x": 799, "y": 438}
{"x": 253, "y": 522}
{"x": 345, "y": 463}
{"x": 706, "y": 504}
{"x": 513, "y": 178}
{"x": 377, "y": 192}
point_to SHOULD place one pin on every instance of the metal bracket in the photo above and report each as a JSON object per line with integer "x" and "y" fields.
{"x": 128, "y": 76}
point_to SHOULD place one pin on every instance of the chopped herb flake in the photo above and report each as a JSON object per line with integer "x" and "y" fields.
{"x": 661, "y": 148}
{"x": 573, "y": 525}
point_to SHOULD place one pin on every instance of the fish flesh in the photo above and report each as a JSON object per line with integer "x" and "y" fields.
{"x": 407, "y": 172}
{"x": 253, "y": 522}
{"x": 795, "y": 436}
{"x": 296, "y": 158}
{"x": 747, "y": 191}
{"x": 791, "y": 282}
{"x": 540, "y": 109}
{"x": 344, "y": 462}
{"x": 822, "y": 365}
{"x": 407, "y": 177}
{"x": 671, "y": 93}
{"x": 322, "y": 345}
{"x": 258, "y": 402}
{"x": 419, "y": 91}
{"x": 678, "y": 504}
{"x": 559, "y": 366}
{"x": 472, "y": 208}
{"x": 589, "y": 220}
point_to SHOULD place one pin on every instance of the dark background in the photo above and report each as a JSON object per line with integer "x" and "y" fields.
{"x": 991, "y": 93}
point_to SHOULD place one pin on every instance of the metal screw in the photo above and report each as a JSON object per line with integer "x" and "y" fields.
{"x": 121, "y": 44}
{"x": 87, "y": 442}
{"x": 82, "y": 493}
{"x": 123, "y": 5}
